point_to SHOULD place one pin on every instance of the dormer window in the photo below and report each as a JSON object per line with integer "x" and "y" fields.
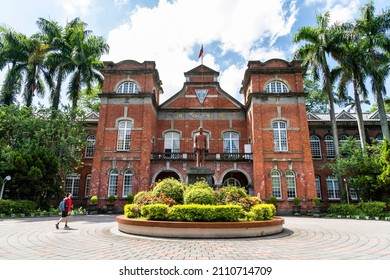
{"x": 276, "y": 87}
{"x": 127, "y": 87}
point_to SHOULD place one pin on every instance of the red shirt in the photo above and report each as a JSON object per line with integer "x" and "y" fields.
{"x": 69, "y": 202}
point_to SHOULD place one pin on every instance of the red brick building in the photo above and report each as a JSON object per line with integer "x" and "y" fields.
{"x": 268, "y": 144}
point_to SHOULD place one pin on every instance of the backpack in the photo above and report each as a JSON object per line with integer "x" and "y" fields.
{"x": 63, "y": 205}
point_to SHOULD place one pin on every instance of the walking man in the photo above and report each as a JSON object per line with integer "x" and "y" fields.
{"x": 65, "y": 211}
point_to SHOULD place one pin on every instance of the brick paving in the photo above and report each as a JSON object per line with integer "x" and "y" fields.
{"x": 96, "y": 237}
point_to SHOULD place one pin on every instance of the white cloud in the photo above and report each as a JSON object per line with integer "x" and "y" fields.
{"x": 74, "y": 7}
{"x": 169, "y": 33}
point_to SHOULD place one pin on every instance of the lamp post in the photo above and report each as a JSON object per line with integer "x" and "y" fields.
{"x": 346, "y": 190}
{"x": 7, "y": 178}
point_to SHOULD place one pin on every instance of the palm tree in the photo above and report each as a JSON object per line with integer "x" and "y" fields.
{"x": 86, "y": 51}
{"x": 322, "y": 41}
{"x": 351, "y": 70}
{"x": 375, "y": 40}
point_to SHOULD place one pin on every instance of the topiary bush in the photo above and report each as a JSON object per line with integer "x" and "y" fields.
{"x": 263, "y": 212}
{"x": 248, "y": 202}
{"x": 198, "y": 195}
{"x": 132, "y": 210}
{"x": 170, "y": 187}
{"x": 130, "y": 198}
{"x": 205, "y": 213}
{"x": 231, "y": 194}
{"x": 202, "y": 184}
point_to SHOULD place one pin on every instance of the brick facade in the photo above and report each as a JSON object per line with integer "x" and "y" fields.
{"x": 241, "y": 137}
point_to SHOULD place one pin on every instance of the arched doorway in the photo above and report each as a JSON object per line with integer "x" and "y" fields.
{"x": 235, "y": 178}
{"x": 166, "y": 174}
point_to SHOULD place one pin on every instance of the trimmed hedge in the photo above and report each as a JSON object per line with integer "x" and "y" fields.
{"x": 205, "y": 213}
{"x": 132, "y": 210}
{"x": 157, "y": 212}
{"x": 199, "y": 195}
{"x": 263, "y": 212}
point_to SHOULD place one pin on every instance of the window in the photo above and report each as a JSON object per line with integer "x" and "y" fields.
{"x": 276, "y": 184}
{"x": 113, "y": 183}
{"x": 329, "y": 146}
{"x": 315, "y": 145}
{"x": 124, "y": 133}
{"x": 291, "y": 184}
{"x": 332, "y": 185}
{"x": 232, "y": 182}
{"x": 280, "y": 136}
{"x": 89, "y": 150}
{"x": 230, "y": 142}
{"x": 353, "y": 194}
{"x": 379, "y": 138}
{"x": 127, "y": 182}
{"x": 318, "y": 186}
{"x": 128, "y": 87}
{"x": 72, "y": 184}
{"x": 343, "y": 139}
{"x": 276, "y": 87}
{"x": 87, "y": 185}
{"x": 172, "y": 144}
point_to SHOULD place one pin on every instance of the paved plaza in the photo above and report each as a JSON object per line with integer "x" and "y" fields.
{"x": 96, "y": 237}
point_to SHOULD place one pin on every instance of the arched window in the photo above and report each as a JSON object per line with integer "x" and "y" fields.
{"x": 329, "y": 146}
{"x": 124, "y": 136}
{"x": 87, "y": 185}
{"x": 276, "y": 184}
{"x": 232, "y": 182}
{"x": 90, "y": 149}
{"x": 127, "y": 182}
{"x": 318, "y": 186}
{"x": 280, "y": 136}
{"x": 230, "y": 142}
{"x": 113, "y": 182}
{"x": 291, "y": 184}
{"x": 172, "y": 144}
{"x": 276, "y": 87}
{"x": 127, "y": 87}
{"x": 315, "y": 145}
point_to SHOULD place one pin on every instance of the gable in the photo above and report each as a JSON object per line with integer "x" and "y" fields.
{"x": 343, "y": 115}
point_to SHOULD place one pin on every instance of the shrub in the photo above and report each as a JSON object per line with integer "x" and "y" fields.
{"x": 155, "y": 211}
{"x": 111, "y": 198}
{"x": 170, "y": 187}
{"x": 205, "y": 213}
{"x": 9, "y": 207}
{"x": 150, "y": 198}
{"x": 343, "y": 209}
{"x": 93, "y": 199}
{"x": 248, "y": 202}
{"x": 231, "y": 194}
{"x": 372, "y": 208}
{"x": 132, "y": 210}
{"x": 199, "y": 196}
{"x": 316, "y": 201}
{"x": 130, "y": 198}
{"x": 202, "y": 184}
{"x": 273, "y": 200}
{"x": 139, "y": 196}
{"x": 296, "y": 201}
{"x": 263, "y": 212}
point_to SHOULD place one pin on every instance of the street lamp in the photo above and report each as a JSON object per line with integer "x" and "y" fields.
{"x": 7, "y": 178}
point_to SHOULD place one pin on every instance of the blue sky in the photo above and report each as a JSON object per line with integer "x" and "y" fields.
{"x": 172, "y": 32}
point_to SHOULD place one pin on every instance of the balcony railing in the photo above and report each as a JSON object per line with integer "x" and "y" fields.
{"x": 208, "y": 156}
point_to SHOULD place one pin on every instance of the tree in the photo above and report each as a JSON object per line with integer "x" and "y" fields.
{"x": 374, "y": 38}
{"x": 316, "y": 100}
{"x": 322, "y": 41}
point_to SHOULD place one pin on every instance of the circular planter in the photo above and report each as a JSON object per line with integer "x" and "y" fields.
{"x": 199, "y": 229}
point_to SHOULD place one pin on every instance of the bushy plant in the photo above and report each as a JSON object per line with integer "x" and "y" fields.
{"x": 9, "y": 207}
{"x": 93, "y": 199}
{"x": 343, "y": 209}
{"x": 248, "y": 202}
{"x": 150, "y": 198}
{"x": 170, "y": 187}
{"x": 132, "y": 210}
{"x": 130, "y": 198}
{"x": 111, "y": 198}
{"x": 372, "y": 208}
{"x": 231, "y": 194}
{"x": 201, "y": 184}
{"x": 273, "y": 200}
{"x": 139, "y": 196}
{"x": 296, "y": 201}
{"x": 155, "y": 211}
{"x": 263, "y": 212}
{"x": 205, "y": 213}
{"x": 199, "y": 196}
{"x": 316, "y": 201}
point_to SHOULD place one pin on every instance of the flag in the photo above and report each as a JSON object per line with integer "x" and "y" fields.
{"x": 200, "y": 52}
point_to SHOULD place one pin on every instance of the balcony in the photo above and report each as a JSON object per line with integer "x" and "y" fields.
{"x": 208, "y": 157}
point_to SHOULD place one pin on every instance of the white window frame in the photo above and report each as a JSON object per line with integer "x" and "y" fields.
{"x": 128, "y": 87}
{"x": 90, "y": 149}
{"x": 280, "y": 136}
{"x": 232, "y": 182}
{"x": 113, "y": 182}
{"x": 124, "y": 135}
{"x": 276, "y": 183}
{"x": 315, "y": 146}
{"x": 127, "y": 183}
{"x": 72, "y": 184}
{"x": 329, "y": 146}
{"x": 332, "y": 187}
{"x": 87, "y": 185}
{"x": 291, "y": 184}
{"x": 318, "y": 186}
{"x": 231, "y": 142}
{"x": 276, "y": 87}
{"x": 172, "y": 143}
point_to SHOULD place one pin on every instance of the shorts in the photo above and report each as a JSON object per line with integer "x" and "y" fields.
{"x": 64, "y": 214}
